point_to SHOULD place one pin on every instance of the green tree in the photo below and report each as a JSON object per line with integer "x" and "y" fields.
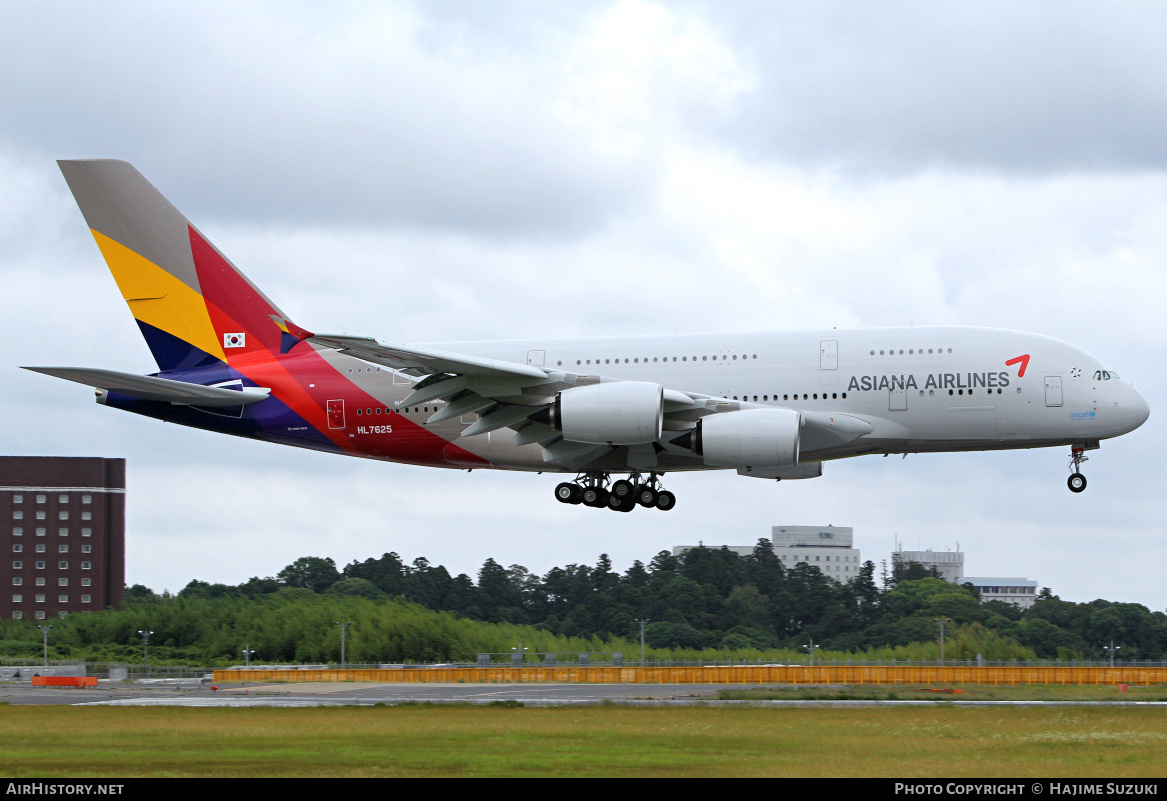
{"x": 388, "y": 572}
{"x": 310, "y": 573}
{"x": 763, "y": 568}
{"x": 674, "y": 635}
{"x": 912, "y": 571}
{"x": 744, "y": 606}
{"x": 140, "y": 593}
{"x": 358, "y": 587}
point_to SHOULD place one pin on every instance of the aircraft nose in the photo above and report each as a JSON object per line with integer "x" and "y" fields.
{"x": 1140, "y": 409}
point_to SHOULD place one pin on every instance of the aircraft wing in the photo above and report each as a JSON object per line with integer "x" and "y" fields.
{"x": 502, "y": 394}
{"x": 512, "y": 395}
{"x": 418, "y": 361}
{"x": 151, "y": 388}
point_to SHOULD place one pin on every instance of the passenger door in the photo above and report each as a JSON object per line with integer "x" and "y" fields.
{"x": 335, "y": 410}
{"x": 1053, "y": 390}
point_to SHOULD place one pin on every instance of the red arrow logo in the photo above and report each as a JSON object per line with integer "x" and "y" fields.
{"x": 1023, "y": 361}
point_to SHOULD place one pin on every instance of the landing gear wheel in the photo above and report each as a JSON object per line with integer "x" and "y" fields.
{"x": 620, "y": 504}
{"x": 568, "y": 493}
{"x": 596, "y": 497}
{"x": 646, "y": 496}
{"x": 665, "y": 500}
{"x": 1077, "y": 481}
{"x": 623, "y": 489}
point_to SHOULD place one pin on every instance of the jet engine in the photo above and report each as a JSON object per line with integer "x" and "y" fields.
{"x": 615, "y": 413}
{"x": 751, "y": 438}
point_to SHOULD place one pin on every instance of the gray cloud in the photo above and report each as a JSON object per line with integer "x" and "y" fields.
{"x": 355, "y": 118}
{"x": 1017, "y": 88}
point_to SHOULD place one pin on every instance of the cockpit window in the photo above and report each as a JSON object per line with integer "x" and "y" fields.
{"x": 1097, "y": 375}
{"x": 1104, "y": 375}
{"x": 1109, "y": 374}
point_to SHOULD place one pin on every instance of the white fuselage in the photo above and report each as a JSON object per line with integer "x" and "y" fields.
{"x": 923, "y": 389}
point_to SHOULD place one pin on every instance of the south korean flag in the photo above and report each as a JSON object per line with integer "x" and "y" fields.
{"x": 234, "y": 340}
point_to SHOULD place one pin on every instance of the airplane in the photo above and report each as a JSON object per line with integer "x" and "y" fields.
{"x": 772, "y": 406}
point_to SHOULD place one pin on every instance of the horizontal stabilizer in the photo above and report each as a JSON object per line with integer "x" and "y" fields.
{"x": 149, "y": 388}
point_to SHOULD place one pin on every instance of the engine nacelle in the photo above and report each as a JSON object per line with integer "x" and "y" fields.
{"x": 615, "y": 413}
{"x": 754, "y": 438}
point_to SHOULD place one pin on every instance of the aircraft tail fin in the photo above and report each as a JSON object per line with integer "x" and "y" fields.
{"x": 193, "y": 306}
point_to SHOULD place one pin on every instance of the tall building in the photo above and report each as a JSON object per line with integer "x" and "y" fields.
{"x": 950, "y": 564}
{"x": 62, "y": 535}
{"x": 1020, "y": 592}
{"x": 829, "y": 548}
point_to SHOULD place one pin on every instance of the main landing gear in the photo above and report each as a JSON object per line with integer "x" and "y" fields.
{"x": 592, "y": 489}
{"x": 1077, "y": 481}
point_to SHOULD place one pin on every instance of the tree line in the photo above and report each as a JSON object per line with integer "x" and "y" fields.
{"x": 716, "y": 599}
{"x": 705, "y": 603}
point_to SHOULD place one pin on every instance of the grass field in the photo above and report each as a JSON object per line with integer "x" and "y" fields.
{"x": 933, "y": 692}
{"x": 909, "y": 742}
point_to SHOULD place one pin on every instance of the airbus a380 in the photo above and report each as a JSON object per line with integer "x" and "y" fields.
{"x": 773, "y": 406}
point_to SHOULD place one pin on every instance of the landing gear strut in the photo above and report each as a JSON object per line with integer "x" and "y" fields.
{"x": 592, "y": 489}
{"x": 1077, "y": 481}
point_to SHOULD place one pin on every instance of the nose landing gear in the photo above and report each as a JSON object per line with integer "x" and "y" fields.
{"x": 591, "y": 489}
{"x": 1077, "y": 482}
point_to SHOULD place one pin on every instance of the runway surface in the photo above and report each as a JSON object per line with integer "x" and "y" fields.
{"x": 194, "y": 693}
{"x": 343, "y": 693}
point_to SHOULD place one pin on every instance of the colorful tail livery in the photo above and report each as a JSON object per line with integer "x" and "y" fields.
{"x": 194, "y": 307}
{"x": 766, "y": 405}
{"x": 220, "y": 343}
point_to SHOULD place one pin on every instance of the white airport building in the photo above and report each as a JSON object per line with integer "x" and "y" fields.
{"x": 1017, "y": 591}
{"x": 829, "y": 548}
{"x": 1020, "y": 592}
{"x": 949, "y": 564}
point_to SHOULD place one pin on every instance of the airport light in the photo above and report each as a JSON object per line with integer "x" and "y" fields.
{"x": 247, "y": 656}
{"x": 642, "y": 623}
{"x": 45, "y": 631}
{"x": 517, "y": 654}
{"x": 942, "y": 621}
{"x": 145, "y": 649}
{"x": 343, "y": 629}
{"x": 1112, "y": 648}
{"x": 810, "y": 650}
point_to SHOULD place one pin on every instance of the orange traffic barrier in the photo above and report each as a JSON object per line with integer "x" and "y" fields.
{"x": 64, "y": 681}
{"x": 736, "y": 674}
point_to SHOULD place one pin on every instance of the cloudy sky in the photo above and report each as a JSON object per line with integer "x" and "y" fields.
{"x": 470, "y": 170}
